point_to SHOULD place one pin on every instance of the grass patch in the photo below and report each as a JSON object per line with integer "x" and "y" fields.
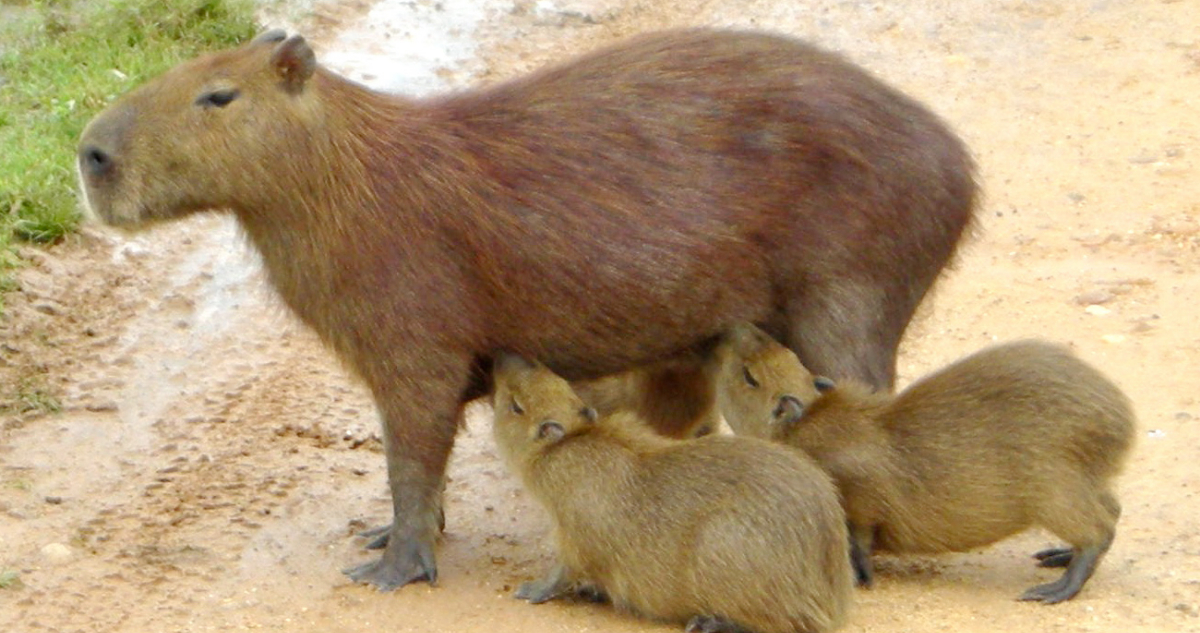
{"x": 61, "y": 62}
{"x": 10, "y": 579}
{"x": 31, "y": 395}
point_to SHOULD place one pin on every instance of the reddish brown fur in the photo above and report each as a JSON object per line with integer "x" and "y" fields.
{"x": 1016, "y": 435}
{"x": 733, "y": 529}
{"x": 598, "y": 215}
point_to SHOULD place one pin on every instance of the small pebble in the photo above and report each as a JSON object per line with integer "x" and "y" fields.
{"x": 1113, "y": 338}
{"x": 57, "y": 553}
{"x": 1094, "y": 297}
{"x": 53, "y": 500}
{"x": 1097, "y": 310}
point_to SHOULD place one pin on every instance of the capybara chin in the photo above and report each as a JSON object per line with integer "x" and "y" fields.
{"x": 1016, "y": 435}
{"x": 722, "y": 533}
{"x": 602, "y": 214}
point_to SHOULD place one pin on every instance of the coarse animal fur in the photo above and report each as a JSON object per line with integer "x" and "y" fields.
{"x": 725, "y": 533}
{"x": 599, "y": 215}
{"x": 1016, "y": 435}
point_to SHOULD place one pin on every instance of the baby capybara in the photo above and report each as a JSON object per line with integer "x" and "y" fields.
{"x": 1014, "y": 436}
{"x": 723, "y": 533}
{"x": 605, "y": 213}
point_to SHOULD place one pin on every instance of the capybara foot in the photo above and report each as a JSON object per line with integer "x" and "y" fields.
{"x": 378, "y": 535}
{"x": 592, "y": 593}
{"x": 402, "y": 562}
{"x": 1083, "y": 563}
{"x": 712, "y": 624}
{"x": 1054, "y": 557}
{"x": 1049, "y": 593}
{"x": 554, "y": 585}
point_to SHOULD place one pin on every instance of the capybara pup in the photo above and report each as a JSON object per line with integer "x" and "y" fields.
{"x": 723, "y": 533}
{"x": 1017, "y": 435}
{"x": 603, "y": 214}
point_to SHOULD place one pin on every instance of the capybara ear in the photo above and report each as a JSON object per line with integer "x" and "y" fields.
{"x": 746, "y": 338}
{"x": 272, "y": 36}
{"x": 787, "y": 411}
{"x": 294, "y": 61}
{"x": 508, "y": 362}
{"x": 550, "y": 431}
{"x": 589, "y": 414}
{"x": 824, "y": 384}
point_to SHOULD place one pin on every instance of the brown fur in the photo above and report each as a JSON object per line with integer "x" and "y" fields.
{"x": 675, "y": 397}
{"x": 733, "y": 529}
{"x": 601, "y": 214}
{"x": 1016, "y": 435}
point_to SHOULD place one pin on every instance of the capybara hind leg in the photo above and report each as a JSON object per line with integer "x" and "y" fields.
{"x": 555, "y": 584}
{"x": 847, "y": 331}
{"x": 679, "y": 400}
{"x": 1082, "y": 566}
{"x": 713, "y": 624}
{"x": 861, "y": 543}
{"x": 1054, "y": 557}
{"x": 1086, "y": 518}
{"x": 419, "y": 411}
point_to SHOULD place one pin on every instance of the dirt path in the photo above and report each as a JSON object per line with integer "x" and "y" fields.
{"x": 212, "y": 461}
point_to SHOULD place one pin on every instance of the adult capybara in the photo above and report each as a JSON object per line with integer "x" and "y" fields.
{"x": 723, "y": 533}
{"x": 1016, "y": 435}
{"x": 599, "y": 215}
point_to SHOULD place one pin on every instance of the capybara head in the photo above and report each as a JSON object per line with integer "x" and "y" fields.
{"x": 202, "y": 135}
{"x": 534, "y": 407}
{"x": 761, "y": 382}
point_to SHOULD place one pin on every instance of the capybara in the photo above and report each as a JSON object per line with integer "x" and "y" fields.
{"x": 600, "y": 215}
{"x": 1016, "y": 435}
{"x": 675, "y": 397}
{"x": 723, "y": 533}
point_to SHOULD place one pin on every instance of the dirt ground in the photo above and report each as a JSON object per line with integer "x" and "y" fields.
{"x": 212, "y": 462}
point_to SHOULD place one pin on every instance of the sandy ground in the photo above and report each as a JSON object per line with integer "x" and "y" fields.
{"x": 213, "y": 462}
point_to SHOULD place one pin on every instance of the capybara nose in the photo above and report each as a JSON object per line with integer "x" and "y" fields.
{"x": 788, "y": 406}
{"x": 94, "y": 161}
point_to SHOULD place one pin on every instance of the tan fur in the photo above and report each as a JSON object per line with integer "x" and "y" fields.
{"x": 735, "y": 528}
{"x": 1014, "y": 436}
{"x": 602, "y": 214}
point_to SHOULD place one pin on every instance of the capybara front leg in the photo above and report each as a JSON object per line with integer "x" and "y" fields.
{"x": 419, "y": 413}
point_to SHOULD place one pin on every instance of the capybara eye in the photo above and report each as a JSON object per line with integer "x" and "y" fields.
{"x": 750, "y": 380}
{"x": 516, "y": 407}
{"x": 217, "y": 98}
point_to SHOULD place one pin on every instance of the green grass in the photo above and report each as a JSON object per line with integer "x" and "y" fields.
{"x": 10, "y": 579}
{"x": 61, "y": 62}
